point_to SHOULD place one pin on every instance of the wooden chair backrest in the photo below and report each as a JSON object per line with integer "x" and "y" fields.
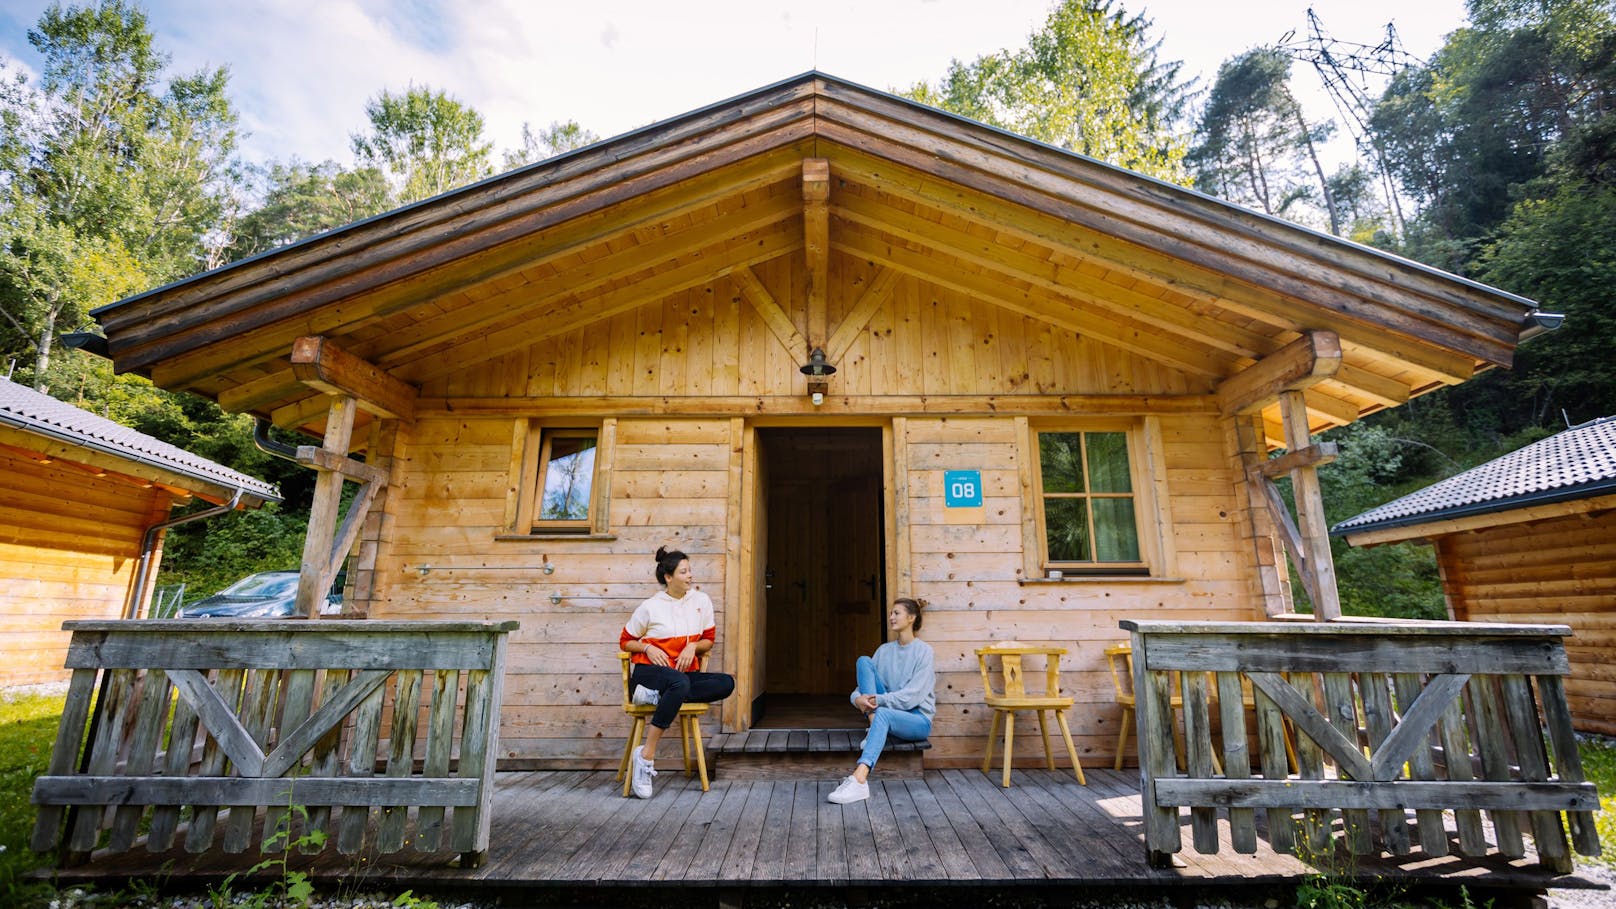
{"x": 1119, "y": 660}
{"x": 1011, "y": 680}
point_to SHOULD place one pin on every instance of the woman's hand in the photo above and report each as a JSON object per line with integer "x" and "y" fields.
{"x": 687, "y": 659}
{"x": 655, "y": 654}
{"x": 865, "y": 703}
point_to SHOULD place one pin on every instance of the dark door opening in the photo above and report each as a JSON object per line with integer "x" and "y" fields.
{"x": 825, "y": 577}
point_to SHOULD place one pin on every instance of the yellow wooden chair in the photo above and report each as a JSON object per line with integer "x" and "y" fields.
{"x": 1010, "y": 695}
{"x": 689, "y": 729}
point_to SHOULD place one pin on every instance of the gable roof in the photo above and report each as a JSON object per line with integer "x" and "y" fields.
{"x": 1577, "y": 463}
{"x": 57, "y": 421}
{"x": 1203, "y": 286}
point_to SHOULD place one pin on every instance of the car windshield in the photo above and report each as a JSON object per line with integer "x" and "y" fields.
{"x": 262, "y": 585}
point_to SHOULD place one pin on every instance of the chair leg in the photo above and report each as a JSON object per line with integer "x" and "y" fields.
{"x": 1043, "y": 729}
{"x": 1122, "y": 737}
{"x": 684, "y": 741}
{"x": 633, "y": 743}
{"x": 1071, "y": 750}
{"x": 701, "y": 751}
{"x": 1009, "y": 744}
{"x": 993, "y": 737}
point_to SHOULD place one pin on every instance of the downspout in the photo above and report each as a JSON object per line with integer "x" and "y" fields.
{"x": 268, "y": 445}
{"x": 149, "y": 542}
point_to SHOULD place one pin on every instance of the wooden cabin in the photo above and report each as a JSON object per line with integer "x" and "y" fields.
{"x": 1529, "y": 537}
{"x": 1056, "y": 384}
{"x": 80, "y": 496}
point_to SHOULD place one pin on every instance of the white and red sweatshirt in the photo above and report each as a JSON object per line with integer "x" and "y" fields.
{"x": 670, "y": 624}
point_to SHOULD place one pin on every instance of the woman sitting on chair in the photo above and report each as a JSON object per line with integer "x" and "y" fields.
{"x": 668, "y": 635}
{"x": 896, "y": 693}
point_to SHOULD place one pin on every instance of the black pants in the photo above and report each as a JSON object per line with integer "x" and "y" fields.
{"x": 674, "y": 689}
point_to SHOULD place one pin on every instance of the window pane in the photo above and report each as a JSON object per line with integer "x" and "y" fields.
{"x": 1108, "y": 462}
{"x": 1115, "y": 538}
{"x": 1061, "y": 459}
{"x": 567, "y": 480}
{"x": 1068, "y": 528}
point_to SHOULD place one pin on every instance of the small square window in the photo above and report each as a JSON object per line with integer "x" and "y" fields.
{"x": 566, "y": 479}
{"x": 559, "y": 476}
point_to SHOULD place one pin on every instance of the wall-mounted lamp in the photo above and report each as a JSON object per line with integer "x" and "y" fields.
{"x": 547, "y": 568}
{"x": 817, "y": 370}
{"x": 816, "y": 367}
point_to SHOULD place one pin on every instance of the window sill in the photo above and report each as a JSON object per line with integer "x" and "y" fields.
{"x": 550, "y": 537}
{"x": 1101, "y": 579}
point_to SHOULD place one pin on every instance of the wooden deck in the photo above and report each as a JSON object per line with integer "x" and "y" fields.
{"x": 951, "y": 827}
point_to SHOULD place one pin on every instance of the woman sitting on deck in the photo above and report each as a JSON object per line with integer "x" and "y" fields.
{"x": 668, "y": 635}
{"x": 896, "y": 693}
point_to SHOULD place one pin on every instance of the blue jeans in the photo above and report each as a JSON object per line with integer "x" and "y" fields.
{"x": 904, "y": 725}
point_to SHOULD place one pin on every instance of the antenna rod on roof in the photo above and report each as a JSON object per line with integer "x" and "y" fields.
{"x": 1566, "y": 417}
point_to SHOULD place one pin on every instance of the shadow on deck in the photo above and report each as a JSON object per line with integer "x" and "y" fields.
{"x": 562, "y": 831}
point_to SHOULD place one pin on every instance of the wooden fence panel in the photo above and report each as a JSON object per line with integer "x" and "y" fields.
{"x": 1365, "y": 721}
{"x": 282, "y": 717}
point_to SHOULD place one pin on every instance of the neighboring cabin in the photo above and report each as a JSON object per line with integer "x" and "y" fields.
{"x": 78, "y": 494}
{"x": 1041, "y": 363}
{"x": 1529, "y": 538}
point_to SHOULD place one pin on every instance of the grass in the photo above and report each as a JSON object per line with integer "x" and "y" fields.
{"x": 27, "y": 731}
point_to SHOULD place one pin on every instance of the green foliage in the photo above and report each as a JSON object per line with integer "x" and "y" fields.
{"x": 1256, "y": 147}
{"x": 1088, "y": 81}
{"x": 548, "y": 142}
{"x": 302, "y": 200}
{"x": 425, "y": 140}
{"x": 227, "y": 548}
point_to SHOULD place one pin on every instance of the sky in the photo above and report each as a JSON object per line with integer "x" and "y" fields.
{"x": 301, "y": 70}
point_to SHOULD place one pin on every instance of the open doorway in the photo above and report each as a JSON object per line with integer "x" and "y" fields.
{"x": 825, "y": 577}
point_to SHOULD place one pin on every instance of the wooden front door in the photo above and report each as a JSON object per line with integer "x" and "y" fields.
{"x": 825, "y": 582}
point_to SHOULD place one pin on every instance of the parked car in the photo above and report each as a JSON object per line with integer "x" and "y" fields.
{"x": 266, "y": 595}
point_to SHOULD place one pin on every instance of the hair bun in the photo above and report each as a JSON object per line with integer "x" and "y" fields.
{"x": 661, "y": 553}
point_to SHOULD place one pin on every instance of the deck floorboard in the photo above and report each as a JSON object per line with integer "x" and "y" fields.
{"x": 948, "y": 828}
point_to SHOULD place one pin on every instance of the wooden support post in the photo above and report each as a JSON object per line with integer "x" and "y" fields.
{"x": 315, "y": 575}
{"x": 816, "y": 243}
{"x": 1310, "y": 511}
{"x": 1266, "y": 527}
{"x": 777, "y": 319}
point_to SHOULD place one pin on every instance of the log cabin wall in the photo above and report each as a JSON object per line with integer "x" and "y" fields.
{"x": 1558, "y": 570}
{"x": 69, "y": 544}
{"x": 444, "y": 550}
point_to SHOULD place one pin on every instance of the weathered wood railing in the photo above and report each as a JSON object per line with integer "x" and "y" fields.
{"x": 295, "y": 718}
{"x": 1381, "y": 720}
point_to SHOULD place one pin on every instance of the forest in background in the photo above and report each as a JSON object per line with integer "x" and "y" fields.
{"x": 1494, "y": 159}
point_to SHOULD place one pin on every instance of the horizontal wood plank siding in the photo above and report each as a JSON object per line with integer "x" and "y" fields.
{"x": 1558, "y": 570}
{"x": 69, "y": 542}
{"x": 563, "y": 697}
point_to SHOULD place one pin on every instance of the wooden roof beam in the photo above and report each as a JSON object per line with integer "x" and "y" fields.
{"x": 325, "y": 367}
{"x": 1308, "y": 360}
{"x": 1068, "y": 314}
{"x": 778, "y": 321}
{"x": 869, "y": 303}
{"x": 816, "y": 243}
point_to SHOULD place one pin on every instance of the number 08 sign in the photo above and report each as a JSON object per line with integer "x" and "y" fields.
{"x": 962, "y": 489}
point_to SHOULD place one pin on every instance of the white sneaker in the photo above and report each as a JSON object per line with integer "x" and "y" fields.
{"x": 640, "y": 784}
{"x": 863, "y": 742}
{"x": 645, "y": 697}
{"x": 850, "y": 790}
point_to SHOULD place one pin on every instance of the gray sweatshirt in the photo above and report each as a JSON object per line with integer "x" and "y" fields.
{"x": 906, "y": 671}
